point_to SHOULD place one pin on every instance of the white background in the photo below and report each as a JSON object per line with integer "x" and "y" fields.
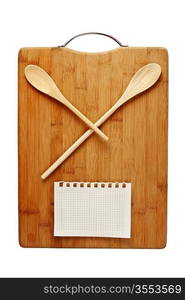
{"x": 50, "y": 23}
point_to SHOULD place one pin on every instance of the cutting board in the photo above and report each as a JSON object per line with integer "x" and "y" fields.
{"x": 136, "y": 151}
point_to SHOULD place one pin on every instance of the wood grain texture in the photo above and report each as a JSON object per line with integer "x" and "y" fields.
{"x": 136, "y": 151}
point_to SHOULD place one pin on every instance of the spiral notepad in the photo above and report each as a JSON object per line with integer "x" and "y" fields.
{"x": 92, "y": 209}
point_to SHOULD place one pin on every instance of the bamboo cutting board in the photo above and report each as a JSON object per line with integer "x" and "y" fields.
{"x": 136, "y": 151}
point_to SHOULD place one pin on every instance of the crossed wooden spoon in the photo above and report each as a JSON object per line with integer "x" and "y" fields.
{"x": 142, "y": 80}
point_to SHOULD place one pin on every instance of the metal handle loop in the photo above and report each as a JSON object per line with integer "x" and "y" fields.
{"x": 99, "y": 33}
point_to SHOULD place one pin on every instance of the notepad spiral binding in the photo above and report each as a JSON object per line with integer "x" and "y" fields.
{"x": 93, "y": 184}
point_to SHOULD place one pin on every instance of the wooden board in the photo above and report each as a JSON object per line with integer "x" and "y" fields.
{"x": 136, "y": 151}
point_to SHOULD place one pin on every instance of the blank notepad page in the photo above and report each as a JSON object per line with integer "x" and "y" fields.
{"x": 92, "y": 209}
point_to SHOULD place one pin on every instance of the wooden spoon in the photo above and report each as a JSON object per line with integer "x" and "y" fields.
{"x": 142, "y": 80}
{"x": 45, "y": 84}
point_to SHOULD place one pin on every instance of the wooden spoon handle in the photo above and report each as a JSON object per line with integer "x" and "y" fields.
{"x": 63, "y": 100}
{"x": 70, "y": 150}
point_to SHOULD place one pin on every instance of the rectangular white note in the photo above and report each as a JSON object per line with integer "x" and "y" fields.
{"x": 92, "y": 209}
